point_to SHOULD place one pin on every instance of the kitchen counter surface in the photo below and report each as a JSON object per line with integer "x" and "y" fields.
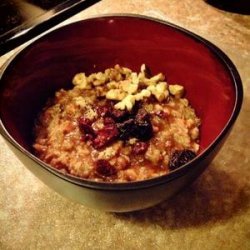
{"x": 213, "y": 213}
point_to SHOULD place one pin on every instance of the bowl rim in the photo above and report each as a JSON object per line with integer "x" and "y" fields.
{"x": 143, "y": 184}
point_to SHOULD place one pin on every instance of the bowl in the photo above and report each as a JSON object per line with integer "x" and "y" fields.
{"x": 212, "y": 82}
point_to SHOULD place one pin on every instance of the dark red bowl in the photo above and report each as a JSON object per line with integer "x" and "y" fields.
{"x": 211, "y": 80}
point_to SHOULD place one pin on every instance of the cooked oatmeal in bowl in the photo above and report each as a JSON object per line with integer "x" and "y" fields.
{"x": 118, "y": 126}
{"x": 115, "y": 139}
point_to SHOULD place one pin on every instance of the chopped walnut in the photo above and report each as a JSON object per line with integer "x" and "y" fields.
{"x": 81, "y": 81}
{"x": 126, "y": 87}
{"x": 115, "y": 94}
{"x": 127, "y": 103}
{"x": 176, "y": 90}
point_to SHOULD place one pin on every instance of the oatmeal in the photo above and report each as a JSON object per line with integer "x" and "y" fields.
{"x": 118, "y": 126}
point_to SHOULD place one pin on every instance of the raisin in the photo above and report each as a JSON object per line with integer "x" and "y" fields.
{"x": 119, "y": 115}
{"x": 105, "y": 135}
{"x": 104, "y": 169}
{"x": 141, "y": 115}
{"x": 180, "y": 157}
{"x": 136, "y": 109}
{"x": 139, "y": 127}
{"x": 126, "y": 129}
{"x": 143, "y": 131}
{"x": 143, "y": 127}
{"x": 140, "y": 147}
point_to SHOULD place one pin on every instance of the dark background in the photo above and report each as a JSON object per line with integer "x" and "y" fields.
{"x": 21, "y": 20}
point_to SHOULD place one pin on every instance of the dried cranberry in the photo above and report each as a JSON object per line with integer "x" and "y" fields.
{"x": 108, "y": 120}
{"x": 104, "y": 168}
{"x": 126, "y": 129}
{"x": 84, "y": 121}
{"x": 105, "y": 135}
{"x": 140, "y": 147}
{"x": 88, "y": 137}
{"x": 85, "y": 126}
{"x": 104, "y": 110}
{"x": 180, "y": 157}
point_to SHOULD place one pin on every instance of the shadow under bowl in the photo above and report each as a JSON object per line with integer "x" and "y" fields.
{"x": 211, "y": 81}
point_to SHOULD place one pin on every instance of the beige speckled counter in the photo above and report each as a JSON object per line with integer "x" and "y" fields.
{"x": 213, "y": 213}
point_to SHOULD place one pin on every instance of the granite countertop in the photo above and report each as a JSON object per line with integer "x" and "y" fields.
{"x": 213, "y": 213}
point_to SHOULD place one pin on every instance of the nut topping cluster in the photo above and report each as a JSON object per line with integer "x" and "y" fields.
{"x": 125, "y": 87}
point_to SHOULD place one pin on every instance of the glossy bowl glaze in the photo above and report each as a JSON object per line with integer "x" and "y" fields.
{"x": 212, "y": 83}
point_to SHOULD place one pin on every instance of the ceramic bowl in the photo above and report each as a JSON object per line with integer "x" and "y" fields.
{"x": 211, "y": 80}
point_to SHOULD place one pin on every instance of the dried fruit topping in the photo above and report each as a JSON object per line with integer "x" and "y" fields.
{"x": 84, "y": 121}
{"x": 85, "y": 126}
{"x": 132, "y": 124}
{"x": 126, "y": 129}
{"x": 104, "y": 110}
{"x": 108, "y": 120}
{"x": 141, "y": 115}
{"x": 144, "y": 129}
{"x": 119, "y": 115}
{"x": 139, "y": 127}
{"x": 140, "y": 147}
{"x": 105, "y": 135}
{"x": 108, "y": 110}
{"x": 104, "y": 169}
{"x": 180, "y": 157}
{"x": 101, "y": 137}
